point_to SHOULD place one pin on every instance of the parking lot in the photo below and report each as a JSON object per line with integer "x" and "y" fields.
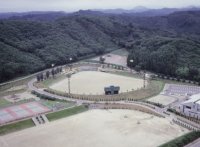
{"x": 175, "y": 89}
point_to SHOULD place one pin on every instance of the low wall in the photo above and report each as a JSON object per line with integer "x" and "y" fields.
{"x": 136, "y": 107}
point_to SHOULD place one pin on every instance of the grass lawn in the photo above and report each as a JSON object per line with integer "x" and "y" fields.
{"x": 4, "y": 102}
{"x": 51, "y": 103}
{"x": 152, "y": 89}
{"x": 160, "y": 85}
{"x": 51, "y": 81}
{"x": 16, "y": 126}
{"x": 127, "y": 74}
{"x": 66, "y": 112}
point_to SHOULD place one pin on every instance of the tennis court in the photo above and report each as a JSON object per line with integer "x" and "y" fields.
{"x": 21, "y": 111}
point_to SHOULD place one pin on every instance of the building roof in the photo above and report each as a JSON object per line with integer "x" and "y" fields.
{"x": 112, "y": 88}
{"x": 193, "y": 99}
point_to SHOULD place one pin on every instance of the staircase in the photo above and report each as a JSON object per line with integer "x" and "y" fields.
{"x": 40, "y": 119}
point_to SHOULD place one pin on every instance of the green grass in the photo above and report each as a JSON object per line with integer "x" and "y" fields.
{"x": 66, "y": 112}
{"x": 121, "y": 73}
{"x": 175, "y": 82}
{"x": 51, "y": 81}
{"x": 16, "y": 126}
{"x": 4, "y": 102}
{"x": 51, "y": 103}
{"x": 154, "y": 89}
{"x": 182, "y": 140}
{"x": 161, "y": 85}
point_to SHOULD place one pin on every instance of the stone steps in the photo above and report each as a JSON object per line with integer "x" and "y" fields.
{"x": 40, "y": 119}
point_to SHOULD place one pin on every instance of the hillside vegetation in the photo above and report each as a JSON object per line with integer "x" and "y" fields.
{"x": 164, "y": 44}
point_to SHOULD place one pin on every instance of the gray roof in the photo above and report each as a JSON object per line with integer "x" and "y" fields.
{"x": 112, "y": 88}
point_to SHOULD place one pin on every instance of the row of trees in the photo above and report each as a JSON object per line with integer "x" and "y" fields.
{"x": 48, "y": 74}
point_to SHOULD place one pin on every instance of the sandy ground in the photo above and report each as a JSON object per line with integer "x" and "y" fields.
{"x": 163, "y": 99}
{"x": 92, "y": 82}
{"x": 97, "y": 128}
{"x": 114, "y": 59}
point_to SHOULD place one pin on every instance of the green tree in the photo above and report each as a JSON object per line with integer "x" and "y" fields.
{"x": 182, "y": 72}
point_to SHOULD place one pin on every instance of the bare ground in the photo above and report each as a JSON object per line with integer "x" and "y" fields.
{"x": 92, "y": 82}
{"x": 98, "y": 128}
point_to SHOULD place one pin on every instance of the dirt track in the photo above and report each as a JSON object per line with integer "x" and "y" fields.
{"x": 98, "y": 128}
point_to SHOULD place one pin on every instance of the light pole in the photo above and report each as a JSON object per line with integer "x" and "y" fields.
{"x": 131, "y": 61}
{"x": 69, "y": 77}
{"x": 70, "y": 65}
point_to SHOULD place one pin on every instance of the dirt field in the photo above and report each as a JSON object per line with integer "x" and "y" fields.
{"x": 98, "y": 128}
{"x": 92, "y": 82}
{"x": 114, "y": 59}
{"x": 163, "y": 99}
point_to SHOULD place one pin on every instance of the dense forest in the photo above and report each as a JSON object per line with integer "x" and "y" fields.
{"x": 164, "y": 44}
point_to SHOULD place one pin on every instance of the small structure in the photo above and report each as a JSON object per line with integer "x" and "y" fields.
{"x": 191, "y": 107}
{"x": 111, "y": 90}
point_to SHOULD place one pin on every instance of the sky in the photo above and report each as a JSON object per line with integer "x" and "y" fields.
{"x": 74, "y": 5}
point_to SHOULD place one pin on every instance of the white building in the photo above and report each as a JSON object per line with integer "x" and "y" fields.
{"x": 191, "y": 107}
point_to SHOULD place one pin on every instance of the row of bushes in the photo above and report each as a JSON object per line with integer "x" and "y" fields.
{"x": 175, "y": 79}
{"x": 182, "y": 140}
{"x": 42, "y": 96}
{"x": 180, "y": 114}
{"x": 155, "y": 104}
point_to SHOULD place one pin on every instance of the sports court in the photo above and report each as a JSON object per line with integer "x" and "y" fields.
{"x": 21, "y": 111}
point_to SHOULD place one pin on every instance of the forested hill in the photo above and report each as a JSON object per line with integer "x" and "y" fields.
{"x": 32, "y": 43}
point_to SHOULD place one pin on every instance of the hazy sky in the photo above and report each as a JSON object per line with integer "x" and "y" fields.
{"x": 74, "y": 5}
